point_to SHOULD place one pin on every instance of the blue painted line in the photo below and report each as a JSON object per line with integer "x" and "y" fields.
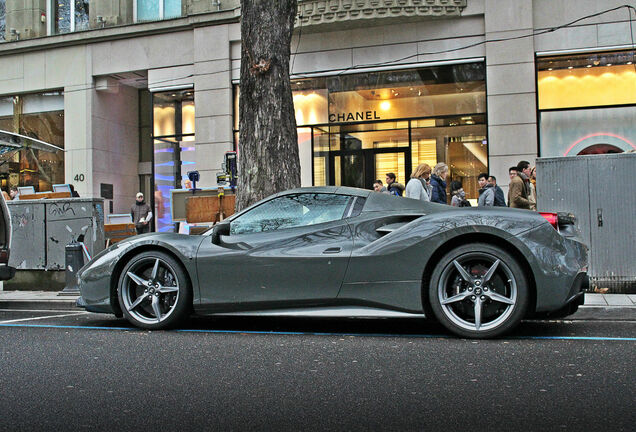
{"x": 292, "y": 333}
{"x": 597, "y": 338}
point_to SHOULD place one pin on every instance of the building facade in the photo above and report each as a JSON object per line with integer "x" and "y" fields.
{"x": 139, "y": 92}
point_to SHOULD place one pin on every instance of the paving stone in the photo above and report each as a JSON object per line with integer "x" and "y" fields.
{"x": 595, "y": 300}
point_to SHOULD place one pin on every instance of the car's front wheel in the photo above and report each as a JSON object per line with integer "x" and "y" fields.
{"x": 154, "y": 291}
{"x": 478, "y": 291}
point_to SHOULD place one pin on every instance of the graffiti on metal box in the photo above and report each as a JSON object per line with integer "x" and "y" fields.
{"x": 60, "y": 210}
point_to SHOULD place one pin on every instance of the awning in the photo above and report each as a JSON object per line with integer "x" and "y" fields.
{"x": 10, "y": 142}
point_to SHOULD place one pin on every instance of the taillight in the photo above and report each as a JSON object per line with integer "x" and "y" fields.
{"x": 552, "y": 218}
{"x": 4, "y": 256}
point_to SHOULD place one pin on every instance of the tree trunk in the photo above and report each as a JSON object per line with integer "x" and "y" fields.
{"x": 268, "y": 143}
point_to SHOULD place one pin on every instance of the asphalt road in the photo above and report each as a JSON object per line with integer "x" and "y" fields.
{"x": 81, "y": 371}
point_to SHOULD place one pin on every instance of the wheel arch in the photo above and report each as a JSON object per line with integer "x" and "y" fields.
{"x": 114, "y": 278}
{"x": 463, "y": 239}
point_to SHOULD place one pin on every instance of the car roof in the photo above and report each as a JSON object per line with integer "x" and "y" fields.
{"x": 340, "y": 190}
{"x": 374, "y": 201}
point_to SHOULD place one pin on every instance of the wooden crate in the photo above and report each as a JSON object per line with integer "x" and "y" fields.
{"x": 117, "y": 232}
{"x": 209, "y": 208}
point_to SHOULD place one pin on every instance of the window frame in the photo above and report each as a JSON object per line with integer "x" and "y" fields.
{"x": 346, "y": 212}
{"x": 162, "y": 9}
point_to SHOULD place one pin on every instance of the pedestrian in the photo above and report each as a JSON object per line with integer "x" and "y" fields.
{"x": 379, "y": 187}
{"x": 393, "y": 186}
{"x": 458, "y": 196}
{"x": 533, "y": 189}
{"x": 74, "y": 193}
{"x": 141, "y": 214}
{"x": 438, "y": 183}
{"x": 512, "y": 172}
{"x": 500, "y": 201}
{"x": 14, "y": 193}
{"x": 486, "y": 192}
{"x": 419, "y": 187}
{"x": 519, "y": 188}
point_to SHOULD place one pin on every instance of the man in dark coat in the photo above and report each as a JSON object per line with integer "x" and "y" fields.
{"x": 393, "y": 186}
{"x": 500, "y": 201}
{"x": 141, "y": 214}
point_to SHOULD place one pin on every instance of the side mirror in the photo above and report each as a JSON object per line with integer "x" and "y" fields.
{"x": 222, "y": 228}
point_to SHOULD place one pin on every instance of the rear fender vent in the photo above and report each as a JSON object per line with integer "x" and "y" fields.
{"x": 390, "y": 224}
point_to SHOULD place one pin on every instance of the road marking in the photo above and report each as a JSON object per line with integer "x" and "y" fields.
{"x": 39, "y": 310}
{"x": 43, "y": 317}
{"x": 266, "y": 332}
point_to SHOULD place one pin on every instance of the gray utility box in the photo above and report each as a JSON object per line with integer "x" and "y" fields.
{"x": 600, "y": 190}
{"x": 41, "y": 229}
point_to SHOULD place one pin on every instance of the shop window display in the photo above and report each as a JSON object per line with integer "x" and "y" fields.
{"x": 173, "y": 149}
{"x": 41, "y": 117}
{"x": 587, "y": 103}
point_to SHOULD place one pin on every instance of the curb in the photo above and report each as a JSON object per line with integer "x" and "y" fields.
{"x": 62, "y": 304}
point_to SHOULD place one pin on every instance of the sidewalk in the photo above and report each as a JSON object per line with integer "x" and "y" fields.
{"x": 51, "y": 300}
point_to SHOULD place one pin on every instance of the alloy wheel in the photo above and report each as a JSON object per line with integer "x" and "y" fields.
{"x": 477, "y": 291}
{"x": 150, "y": 290}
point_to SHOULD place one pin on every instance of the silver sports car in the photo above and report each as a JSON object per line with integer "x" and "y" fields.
{"x": 338, "y": 251}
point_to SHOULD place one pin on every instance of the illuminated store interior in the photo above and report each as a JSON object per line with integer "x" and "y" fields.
{"x": 362, "y": 126}
{"x": 587, "y": 103}
{"x": 173, "y": 138}
{"x": 39, "y": 116}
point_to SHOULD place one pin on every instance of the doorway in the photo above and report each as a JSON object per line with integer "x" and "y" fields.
{"x": 360, "y": 168}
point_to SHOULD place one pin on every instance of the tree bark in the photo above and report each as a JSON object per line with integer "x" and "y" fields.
{"x": 268, "y": 143}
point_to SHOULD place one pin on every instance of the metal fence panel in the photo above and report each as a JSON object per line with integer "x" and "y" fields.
{"x": 601, "y": 191}
{"x": 612, "y": 212}
{"x": 28, "y": 235}
{"x": 563, "y": 186}
{"x": 42, "y": 229}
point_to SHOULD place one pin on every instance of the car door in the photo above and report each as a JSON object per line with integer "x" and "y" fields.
{"x": 291, "y": 250}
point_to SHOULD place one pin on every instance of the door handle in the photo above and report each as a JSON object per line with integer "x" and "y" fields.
{"x": 332, "y": 250}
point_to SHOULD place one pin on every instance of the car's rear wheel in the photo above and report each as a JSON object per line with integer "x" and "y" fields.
{"x": 478, "y": 291}
{"x": 154, "y": 291}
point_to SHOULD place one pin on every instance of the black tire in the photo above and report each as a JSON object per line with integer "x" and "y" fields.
{"x": 154, "y": 283}
{"x": 472, "y": 303}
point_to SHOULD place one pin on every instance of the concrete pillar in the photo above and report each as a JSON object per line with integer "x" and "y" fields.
{"x": 212, "y": 100}
{"x": 511, "y": 83}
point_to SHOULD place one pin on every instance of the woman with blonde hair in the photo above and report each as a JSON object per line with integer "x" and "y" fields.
{"x": 438, "y": 182}
{"x": 418, "y": 187}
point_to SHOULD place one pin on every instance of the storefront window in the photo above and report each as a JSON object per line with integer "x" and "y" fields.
{"x": 39, "y": 116}
{"x": 366, "y": 125}
{"x": 173, "y": 135}
{"x": 587, "y": 103}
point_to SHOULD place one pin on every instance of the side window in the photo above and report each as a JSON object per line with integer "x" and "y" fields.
{"x": 291, "y": 211}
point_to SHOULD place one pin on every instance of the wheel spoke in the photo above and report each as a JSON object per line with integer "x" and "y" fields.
{"x": 155, "y": 307}
{"x": 456, "y": 298}
{"x": 491, "y": 271}
{"x": 499, "y": 298}
{"x": 138, "y": 301}
{"x": 167, "y": 289}
{"x": 155, "y": 270}
{"x": 478, "y": 304}
{"x": 462, "y": 271}
{"x": 136, "y": 279}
